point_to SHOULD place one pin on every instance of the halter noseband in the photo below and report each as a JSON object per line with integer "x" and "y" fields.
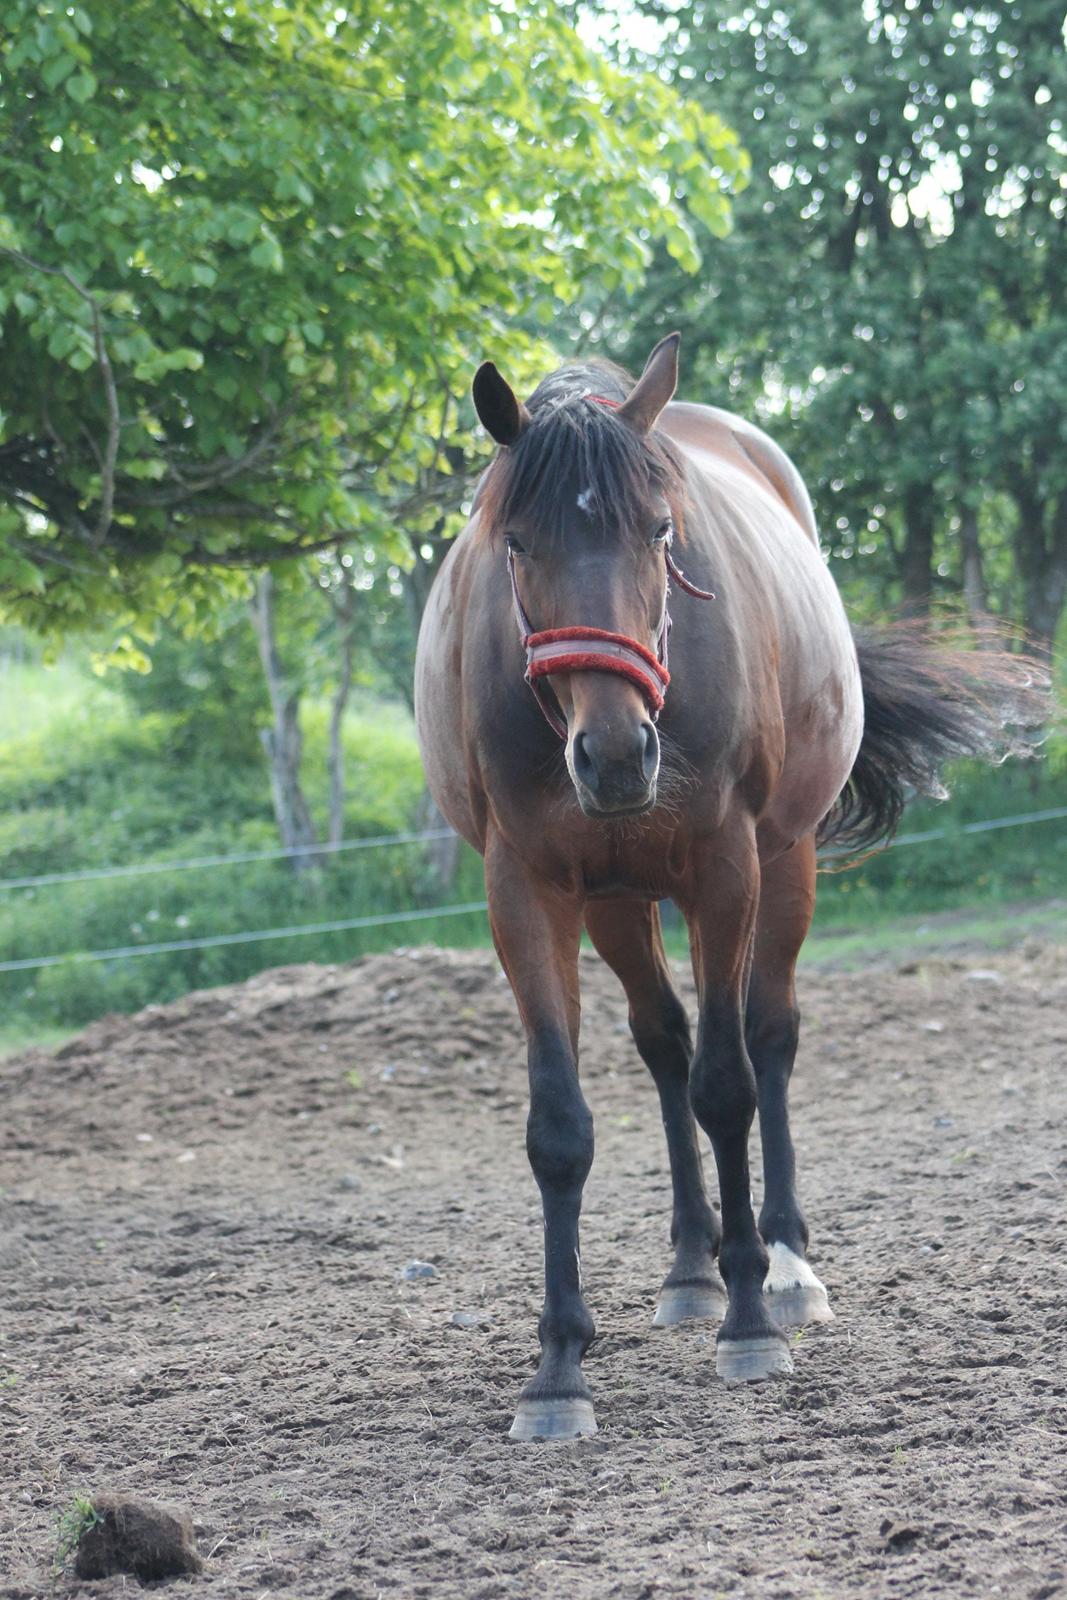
{"x": 595, "y": 650}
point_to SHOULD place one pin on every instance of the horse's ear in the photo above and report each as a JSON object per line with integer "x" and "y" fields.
{"x": 500, "y": 413}
{"x": 654, "y": 387}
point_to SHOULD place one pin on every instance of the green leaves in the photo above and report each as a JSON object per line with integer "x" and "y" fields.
{"x": 891, "y": 295}
{"x": 81, "y": 86}
{"x": 250, "y": 259}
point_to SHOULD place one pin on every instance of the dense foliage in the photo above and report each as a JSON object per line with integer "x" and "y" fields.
{"x": 893, "y": 294}
{"x": 249, "y": 252}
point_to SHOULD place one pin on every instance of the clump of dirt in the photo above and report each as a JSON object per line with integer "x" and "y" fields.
{"x": 209, "y": 1213}
{"x": 125, "y": 1535}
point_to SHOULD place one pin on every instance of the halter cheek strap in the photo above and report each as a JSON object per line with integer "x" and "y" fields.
{"x": 594, "y": 649}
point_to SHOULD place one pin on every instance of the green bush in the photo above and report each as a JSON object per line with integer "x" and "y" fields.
{"x": 102, "y": 780}
{"x": 963, "y": 869}
{"x": 125, "y": 785}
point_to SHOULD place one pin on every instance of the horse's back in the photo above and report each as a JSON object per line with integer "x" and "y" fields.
{"x": 711, "y": 430}
{"x": 752, "y": 507}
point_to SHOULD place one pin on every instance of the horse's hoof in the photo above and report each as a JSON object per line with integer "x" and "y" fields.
{"x": 746, "y": 1360}
{"x": 553, "y": 1419}
{"x": 802, "y": 1303}
{"x": 685, "y": 1302}
{"x": 793, "y": 1293}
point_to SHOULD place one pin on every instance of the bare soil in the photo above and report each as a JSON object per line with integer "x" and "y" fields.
{"x": 207, "y": 1209}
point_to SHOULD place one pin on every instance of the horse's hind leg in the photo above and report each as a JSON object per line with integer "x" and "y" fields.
{"x": 787, "y": 899}
{"x": 537, "y": 932}
{"x": 627, "y": 935}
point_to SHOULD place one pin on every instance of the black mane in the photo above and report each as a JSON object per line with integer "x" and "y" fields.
{"x": 573, "y": 439}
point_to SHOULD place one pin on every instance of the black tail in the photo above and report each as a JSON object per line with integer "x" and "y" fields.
{"x": 925, "y": 705}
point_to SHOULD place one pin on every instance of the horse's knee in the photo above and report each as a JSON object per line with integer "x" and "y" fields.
{"x": 662, "y": 1036}
{"x": 722, "y": 1091}
{"x": 559, "y": 1128}
{"x": 772, "y": 1034}
{"x": 559, "y": 1143}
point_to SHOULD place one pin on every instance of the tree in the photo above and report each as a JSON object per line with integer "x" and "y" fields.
{"x": 248, "y": 252}
{"x": 893, "y": 292}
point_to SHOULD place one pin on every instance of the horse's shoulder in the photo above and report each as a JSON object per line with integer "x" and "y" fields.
{"x": 726, "y": 434}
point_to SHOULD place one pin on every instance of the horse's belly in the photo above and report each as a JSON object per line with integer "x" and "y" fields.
{"x": 823, "y": 736}
{"x": 822, "y": 702}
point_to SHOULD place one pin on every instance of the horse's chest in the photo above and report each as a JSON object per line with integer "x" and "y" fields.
{"x": 626, "y": 886}
{"x": 633, "y": 863}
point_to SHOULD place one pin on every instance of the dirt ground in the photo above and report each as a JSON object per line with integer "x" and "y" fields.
{"x": 206, "y": 1212}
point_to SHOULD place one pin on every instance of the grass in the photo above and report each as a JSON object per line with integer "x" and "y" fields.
{"x": 939, "y": 934}
{"x": 25, "y": 1034}
{"x": 88, "y": 778}
{"x": 79, "y": 1518}
{"x": 32, "y": 696}
{"x": 95, "y": 783}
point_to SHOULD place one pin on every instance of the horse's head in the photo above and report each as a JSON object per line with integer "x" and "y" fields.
{"x": 581, "y": 501}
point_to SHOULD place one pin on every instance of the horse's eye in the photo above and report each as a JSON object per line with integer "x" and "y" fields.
{"x": 663, "y": 532}
{"x": 514, "y": 545}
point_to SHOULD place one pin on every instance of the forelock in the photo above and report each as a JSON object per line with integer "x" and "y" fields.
{"x": 576, "y": 448}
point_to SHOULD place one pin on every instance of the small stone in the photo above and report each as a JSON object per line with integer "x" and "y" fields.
{"x": 416, "y": 1270}
{"x": 125, "y": 1535}
{"x": 469, "y": 1319}
{"x": 348, "y": 1184}
{"x": 983, "y": 975}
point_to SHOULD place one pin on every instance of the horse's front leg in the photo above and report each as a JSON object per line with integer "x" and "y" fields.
{"x": 722, "y": 1086}
{"x": 537, "y": 931}
{"x": 627, "y": 934}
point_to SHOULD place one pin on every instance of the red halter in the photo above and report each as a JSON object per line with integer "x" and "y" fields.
{"x": 596, "y": 650}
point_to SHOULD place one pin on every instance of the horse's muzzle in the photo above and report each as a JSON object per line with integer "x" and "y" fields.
{"x": 615, "y": 775}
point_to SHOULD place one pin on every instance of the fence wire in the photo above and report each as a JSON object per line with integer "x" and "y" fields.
{"x": 348, "y": 924}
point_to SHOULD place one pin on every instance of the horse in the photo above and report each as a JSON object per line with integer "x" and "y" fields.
{"x": 599, "y": 775}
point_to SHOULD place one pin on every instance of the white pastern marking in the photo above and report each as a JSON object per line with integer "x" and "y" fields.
{"x": 788, "y": 1271}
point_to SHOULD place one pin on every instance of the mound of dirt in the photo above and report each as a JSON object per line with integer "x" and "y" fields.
{"x": 211, "y": 1210}
{"x": 124, "y": 1535}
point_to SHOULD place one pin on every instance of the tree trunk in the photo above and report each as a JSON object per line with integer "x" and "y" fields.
{"x": 917, "y": 558}
{"x": 344, "y": 610}
{"x": 972, "y": 573}
{"x": 443, "y": 853}
{"x": 973, "y": 576}
{"x": 1041, "y": 555}
{"x": 283, "y": 740}
{"x": 1044, "y": 609}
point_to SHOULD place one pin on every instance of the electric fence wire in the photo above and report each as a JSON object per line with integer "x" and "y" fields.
{"x": 348, "y": 924}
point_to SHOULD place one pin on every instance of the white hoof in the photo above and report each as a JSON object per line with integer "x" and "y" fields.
{"x": 794, "y": 1294}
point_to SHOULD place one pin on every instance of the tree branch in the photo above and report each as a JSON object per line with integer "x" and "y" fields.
{"x": 109, "y": 455}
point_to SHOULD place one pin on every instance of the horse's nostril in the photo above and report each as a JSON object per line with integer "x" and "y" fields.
{"x": 650, "y": 754}
{"x": 583, "y": 764}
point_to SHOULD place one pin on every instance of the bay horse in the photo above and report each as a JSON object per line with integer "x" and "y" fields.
{"x": 597, "y": 780}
